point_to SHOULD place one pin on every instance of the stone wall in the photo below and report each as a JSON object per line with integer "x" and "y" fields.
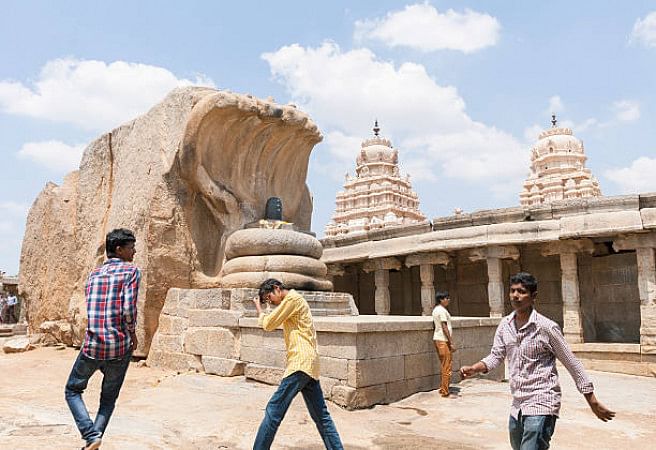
{"x": 610, "y": 301}
{"x": 365, "y": 360}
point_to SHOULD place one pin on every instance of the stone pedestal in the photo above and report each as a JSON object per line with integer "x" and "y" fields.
{"x": 427, "y": 275}
{"x": 572, "y": 324}
{"x": 382, "y": 295}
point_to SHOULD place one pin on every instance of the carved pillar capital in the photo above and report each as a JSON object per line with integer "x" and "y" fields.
{"x": 568, "y": 246}
{"x": 634, "y": 241}
{"x": 418, "y": 259}
{"x": 495, "y": 251}
{"x": 388, "y": 263}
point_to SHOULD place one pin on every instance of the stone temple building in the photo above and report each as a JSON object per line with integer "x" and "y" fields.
{"x": 558, "y": 169}
{"x": 593, "y": 257}
{"x": 377, "y": 196}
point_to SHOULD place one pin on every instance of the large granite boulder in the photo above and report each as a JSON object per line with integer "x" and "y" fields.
{"x": 195, "y": 168}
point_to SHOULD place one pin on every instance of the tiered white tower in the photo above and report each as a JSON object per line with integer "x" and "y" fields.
{"x": 377, "y": 196}
{"x": 558, "y": 169}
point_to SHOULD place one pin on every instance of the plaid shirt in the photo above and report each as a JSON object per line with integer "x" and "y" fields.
{"x": 111, "y": 293}
{"x": 531, "y": 353}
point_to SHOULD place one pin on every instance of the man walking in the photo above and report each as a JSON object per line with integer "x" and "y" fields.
{"x": 442, "y": 339}
{"x": 302, "y": 372}
{"x": 111, "y": 295}
{"x": 531, "y": 343}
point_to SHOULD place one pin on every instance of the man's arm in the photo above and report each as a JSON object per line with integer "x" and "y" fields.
{"x": 270, "y": 322}
{"x": 445, "y": 330}
{"x": 491, "y": 361}
{"x": 577, "y": 372}
{"x": 130, "y": 294}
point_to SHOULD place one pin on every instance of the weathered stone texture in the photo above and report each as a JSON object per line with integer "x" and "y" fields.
{"x": 162, "y": 176}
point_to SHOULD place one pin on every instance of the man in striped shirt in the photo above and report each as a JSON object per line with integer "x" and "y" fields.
{"x": 111, "y": 295}
{"x": 531, "y": 343}
{"x": 302, "y": 371}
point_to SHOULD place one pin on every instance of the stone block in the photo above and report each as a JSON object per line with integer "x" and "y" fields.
{"x": 213, "y": 318}
{"x": 369, "y": 372}
{"x": 180, "y": 362}
{"x": 207, "y": 298}
{"x": 421, "y": 365}
{"x": 222, "y": 366}
{"x": 327, "y": 385}
{"x": 265, "y": 374}
{"x": 337, "y": 345}
{"x": 379, "y": 345}
{"x": 648, "y": 216}
{"x": 168, "y": 343}
{"x": 186, "y": 302}
{"x": 600, "y": 224}
{"x": 172, "y": 324}
{"x": 417, "y": 342}
{"x": 219, "y": 342}
{"x": 352, "y": 398}
{"x": 263, "y": 356}
{"x": 17, "y": 345}
{"x": 171, "y": 302}
{"x": 334, "y": 367}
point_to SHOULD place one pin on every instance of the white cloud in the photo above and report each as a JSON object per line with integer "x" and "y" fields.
{"x": 91, "y": 94}
{"x": 626, "y": 110}
{"x": 644, "y": 30}
{"x": 424, "y": 28}
{"x": 55, "y": 155}
{"x": 345, "y": 90}
{"x": 638, "y": 177}
{"x": 555, "y": 104}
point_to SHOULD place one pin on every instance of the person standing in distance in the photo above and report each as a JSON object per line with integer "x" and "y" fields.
{"x": 531, "y": 343}
{"x": 111, "y": 296}
{"x": 442, "y": 338}
{"x": 302, "y": 371}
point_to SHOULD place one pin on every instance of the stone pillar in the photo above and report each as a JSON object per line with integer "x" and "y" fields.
{"x": 381, "y": 267}
{"x": 495, "y": 286}
{"x": 494, "y": 257}
{"x": 426, "y": 262}
{"x": 382, "y": 295}
{"x": 427, "y": 275}
{"x": 644, "y": 245}
{"x": 647, "y": 288}
{"x": 572, "y": 323}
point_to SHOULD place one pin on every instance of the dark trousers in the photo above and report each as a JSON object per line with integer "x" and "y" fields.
{"x": 275, "y": 411}
{"x": 113, "y": 371}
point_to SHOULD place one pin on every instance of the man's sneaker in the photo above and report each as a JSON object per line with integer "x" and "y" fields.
{"x": 94, "y": 445}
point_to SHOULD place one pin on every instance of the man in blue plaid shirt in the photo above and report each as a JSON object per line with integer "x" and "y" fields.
{"x": 111, "y": 294}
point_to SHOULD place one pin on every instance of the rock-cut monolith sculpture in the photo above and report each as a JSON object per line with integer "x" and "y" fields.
{"x": 184, "y": 176}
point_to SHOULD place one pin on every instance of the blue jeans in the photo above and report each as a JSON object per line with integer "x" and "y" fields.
{"x": 113, "y": 371}
{"x": 279, "y": 403}
{"x": 531, "y": 432}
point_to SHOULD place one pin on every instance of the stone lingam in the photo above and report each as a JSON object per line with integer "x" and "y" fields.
{"x": 273, "y": 248}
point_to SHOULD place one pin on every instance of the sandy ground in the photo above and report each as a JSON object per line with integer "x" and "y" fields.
{"x": 164, "y": 410}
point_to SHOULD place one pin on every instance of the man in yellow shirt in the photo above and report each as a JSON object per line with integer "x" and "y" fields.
{"x": 302, "y": 372}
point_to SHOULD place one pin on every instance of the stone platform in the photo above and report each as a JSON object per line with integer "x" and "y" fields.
{"x": 365, "y": 360}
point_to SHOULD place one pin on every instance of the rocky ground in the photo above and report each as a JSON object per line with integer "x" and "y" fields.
{"x": 164, "y": 410}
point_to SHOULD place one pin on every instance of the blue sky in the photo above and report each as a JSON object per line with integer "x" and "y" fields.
{"x": 461, "y": 88}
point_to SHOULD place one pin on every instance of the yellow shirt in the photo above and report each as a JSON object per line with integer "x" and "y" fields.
{"x": 294, "y": 315}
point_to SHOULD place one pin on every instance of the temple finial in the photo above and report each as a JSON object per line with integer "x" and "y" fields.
{"x": 376, "y": 128}
{"x": 553, "y": 121}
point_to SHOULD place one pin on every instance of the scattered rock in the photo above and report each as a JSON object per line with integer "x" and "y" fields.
{"x": 17, "y": 345}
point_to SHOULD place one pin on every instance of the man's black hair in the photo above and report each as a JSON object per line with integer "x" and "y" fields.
{"x": 441, "y": 295}
{"x": 268, "y": 286}
{"x": 120, "y": 237}
{"x": 525, "y": 279}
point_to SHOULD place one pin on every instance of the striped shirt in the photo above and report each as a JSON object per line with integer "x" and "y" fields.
{"x": 111, "y": 293}
{"x": 293, "y": 313}
{"x": 531, "y": 353}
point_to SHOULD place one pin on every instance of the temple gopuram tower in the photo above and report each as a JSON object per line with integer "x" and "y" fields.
{"x": 377, "y": 196}
{"x": 558, "y": 169}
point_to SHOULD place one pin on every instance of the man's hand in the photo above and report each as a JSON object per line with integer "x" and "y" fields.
{"x": 452, "y": 348}
{"x": 258, "y": 307}
{"x": 134, "y": 342}
{"x": 467, "y": 371}
{"x": 604, "y": 414}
